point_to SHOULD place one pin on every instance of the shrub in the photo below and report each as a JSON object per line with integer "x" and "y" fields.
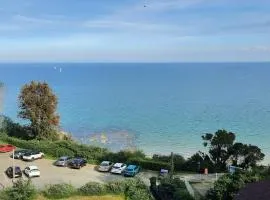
{"x": 59, "y": 191}
{"x": 116, "y": 187}
{"x": 177, "y": 159}
{"x": 137, "y": 190}
{"x": 21, "y": 190}
{"x": 149, "y": 164}
{"x": 92, "y": 188}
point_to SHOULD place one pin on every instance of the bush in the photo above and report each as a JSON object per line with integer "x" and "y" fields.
{"x": 149, "y": 164}
{"x": 137, "y": 190}
{"x": 116, "y": 187}
{"x": 59, "y": 191}
{"x": 228, "y": 185}
{"x": 92, "y": 188}
{"x": 21, "y": 190}
{"x": 177, "y": 159}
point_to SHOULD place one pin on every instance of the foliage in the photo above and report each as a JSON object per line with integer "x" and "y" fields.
{"x": 219, "y": 144}
{"x": 149, "y": 164}
{"x": 245, "y": 156}
{"x": 199, "y": 161}
{"x": 171, "y": 189}
{"x": 92, "y": 188}
{"x": 38, "y": 104}
{"x": 21, "y": 190}
{"x": 228, "y": 185}
{"x": 122, "y": 156}
{"x": 13, "y": 129}
{"x": 137, "y": 190}
{"x": 115, "y": 187}
{"x": 59, "y": 191}
{"x": 222, "y": 149}
{"x": 178, "y": 160}
{"x": 59, "y": 148}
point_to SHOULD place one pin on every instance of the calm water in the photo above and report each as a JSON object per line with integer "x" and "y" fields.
{"x": 156, "y": 107}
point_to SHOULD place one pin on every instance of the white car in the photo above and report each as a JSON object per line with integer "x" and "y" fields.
{"x": 32, "y": 171}
{"x": 32, "y": 155}
{"x": 118, "y": 168}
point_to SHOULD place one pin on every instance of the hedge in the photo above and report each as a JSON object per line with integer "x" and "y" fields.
{"x": 149, "y": 164}
{"x": 59, "y": 148}
{"x": 59, "y": 191}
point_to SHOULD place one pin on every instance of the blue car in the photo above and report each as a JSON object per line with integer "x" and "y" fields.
{"x": 132, "y": 170}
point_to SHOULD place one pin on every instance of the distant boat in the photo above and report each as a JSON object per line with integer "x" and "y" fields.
{"x": 60, "y": 70}
{"x": 54, "y": 67}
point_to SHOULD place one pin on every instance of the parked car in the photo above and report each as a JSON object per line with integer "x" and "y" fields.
{"x": 32, "y": 155}
{"x": 77, "y": 163}
{"x": 18, "y": 172}
{"x": 132, "y": 170}
{"x": 63, "y": 161}
{"x": 105, "y": 166}
{"x": 32, "y": 171}
{"x": 118, "y": 168}
{"x": 6, "y": 148}
{"x": 19, "y": 153}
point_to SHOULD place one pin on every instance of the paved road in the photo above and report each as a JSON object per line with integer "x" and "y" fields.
{"x": 51, "y": 174}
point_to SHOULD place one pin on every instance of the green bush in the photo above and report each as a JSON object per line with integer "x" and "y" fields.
{"x": 115, "y": 187}
{"x": 21, "y": 190}
{"x": 178, "y": 160}
{"x": 59, "y": 191}
{"x": 137, "y": 190}
{"x": 92, "y": 188}
{"x": 149, "y": 164}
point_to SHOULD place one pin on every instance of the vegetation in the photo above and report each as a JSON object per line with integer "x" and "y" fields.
{"x": 227, "y": 186}
{"x": 21, "y": 190}
{"x": 59, "y": 191}
{"x": 222, "y": 150}
{"x": 169, "y": 189}
{"x": 132, "y": 189}
{"x": 105, "y": 197}
{"x": 38, "y": 104}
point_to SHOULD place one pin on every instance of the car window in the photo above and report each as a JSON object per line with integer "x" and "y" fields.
{"x": 27, "y": 168}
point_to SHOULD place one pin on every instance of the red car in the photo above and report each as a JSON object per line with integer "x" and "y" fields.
{"x": 6, "y": 148}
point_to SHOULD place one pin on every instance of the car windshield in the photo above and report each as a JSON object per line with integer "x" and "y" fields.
{"x": 130, "y": 170}
{"x": 116, "y": 167}
{"x": 104, "y": 164}
{"x": 62, "y": 159}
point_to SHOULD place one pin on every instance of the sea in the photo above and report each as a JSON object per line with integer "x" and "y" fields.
{"x": 154, "y": 107}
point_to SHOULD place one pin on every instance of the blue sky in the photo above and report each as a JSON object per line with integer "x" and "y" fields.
{"x": 134, "y": 30}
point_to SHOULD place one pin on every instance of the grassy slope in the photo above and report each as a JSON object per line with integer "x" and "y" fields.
{"x": 106, "y": 197}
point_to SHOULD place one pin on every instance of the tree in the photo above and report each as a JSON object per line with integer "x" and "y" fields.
{"x": 38, "y": 104}
{"x": 1, "y": 94}
{"x": 219, "y": 145}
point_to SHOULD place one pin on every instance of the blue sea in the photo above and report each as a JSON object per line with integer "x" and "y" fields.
{"x": 158, "y": 108}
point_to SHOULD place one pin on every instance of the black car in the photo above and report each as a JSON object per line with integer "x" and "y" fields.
{"x": 18, "y": 172}
{"x": 77, "y": 163}
{"x": 20, "y": 153}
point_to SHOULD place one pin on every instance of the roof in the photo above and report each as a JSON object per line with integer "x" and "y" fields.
{"x": 105, "y": 162}
{"x": 118, "y": 164}
{"x": 259, "y": 190}
{"x": 131, "y": 166}
{"x": 32, "y": 167}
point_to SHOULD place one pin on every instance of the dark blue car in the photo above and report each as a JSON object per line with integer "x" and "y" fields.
{"x": 132, "y": 170}
{"x": 77, "y": 163}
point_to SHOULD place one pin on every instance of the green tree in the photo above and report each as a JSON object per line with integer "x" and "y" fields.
{"x": 38, "y": 104}
{"x": 219, "y": 145}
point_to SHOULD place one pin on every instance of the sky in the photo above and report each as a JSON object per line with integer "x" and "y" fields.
{"x": 134, "y": 30}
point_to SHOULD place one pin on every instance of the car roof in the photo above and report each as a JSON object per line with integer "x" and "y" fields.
{"x": 106, "y": 162}
{"x": 64, "y": 157}
{"x": 132, "y": 166}
{"x": 118, "y": 164}
{"x": 32, "y": 167}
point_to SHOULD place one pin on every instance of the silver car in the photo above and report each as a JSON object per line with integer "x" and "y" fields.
{"x": 63, "y": 161}
{"x": 105, "y": 166}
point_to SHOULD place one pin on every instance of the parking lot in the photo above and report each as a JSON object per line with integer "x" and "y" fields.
{"x": 51, "y": 174}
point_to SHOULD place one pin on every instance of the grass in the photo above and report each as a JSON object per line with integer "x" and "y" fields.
{"x": 106, "y": 197}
